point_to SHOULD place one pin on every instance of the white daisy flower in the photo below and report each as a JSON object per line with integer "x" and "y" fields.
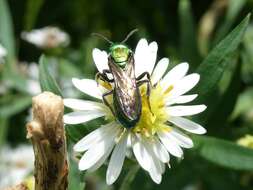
{"x": 156, "y": 136}
{"x": 47, "y": 37}
{"x": 15, "y": 164}
{"x": 3, "y": 53}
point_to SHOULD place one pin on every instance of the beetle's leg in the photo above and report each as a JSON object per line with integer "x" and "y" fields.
{"x": 106, "y": 102}
{"x": 139, "y": 83}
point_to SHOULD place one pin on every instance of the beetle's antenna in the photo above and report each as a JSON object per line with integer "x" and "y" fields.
{"x": 103, "y": 37}
{"x": 129, "y": 35}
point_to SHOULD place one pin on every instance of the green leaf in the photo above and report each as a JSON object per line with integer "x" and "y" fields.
{"x": 188, "y": 41}
{"x": 68, "y": 69}
{"x": 75, "y": 182}
{"x": 6, "y": 31}
{"x": 31, "y": 13}
{"x": 3, "y": 130}
{"x": 14, "y": 105}
{"x": 75, "y": 133}
{"x": 15, "y": 80}
{"x": 227, "y": 102}
{"x": 223, "y": 98}
{"x": 244, "y": 103}
{"x": 212, "y": 68}
{"x": 224, "y": 153}
{"x": 234, "y": 8}
{"x": 129, "y": 178}
{"x": 47, "y": 82}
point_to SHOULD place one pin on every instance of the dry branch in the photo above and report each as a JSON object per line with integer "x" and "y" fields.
{"x": 46, "y": 132}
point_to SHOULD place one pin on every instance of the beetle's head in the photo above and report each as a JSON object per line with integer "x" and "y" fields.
{"x": 120, "y": 54}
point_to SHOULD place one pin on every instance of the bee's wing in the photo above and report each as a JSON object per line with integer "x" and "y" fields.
{"x": 130, "y": 69}
{"x": 125, "y": 87}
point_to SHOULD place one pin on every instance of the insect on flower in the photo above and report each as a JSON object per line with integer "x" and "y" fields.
{"x": 142, "y": 106}
{"x": 127, "y": 104}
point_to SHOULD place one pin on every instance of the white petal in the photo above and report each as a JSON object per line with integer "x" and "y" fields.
{"x": 140, "y": 153}
{"x": 152, "y": 57}
{"x": 160, "y": 151}
{"x": 185, "y": 110}
{"x": 155, "y": 168}
{"x": 156, "y": 177}
{"x": 170, "y": 144}
{"x": 95, "y": 136}
{"x": 174, "y": 75}
{"x": 94, "y": 154}
{"x": 101, "y": 59}
{"x": 117, "y": 160}
{"x": 78, "y": 117}
{"x": 181, "y": 139}
{"x": 101, "y": 161}
{"x": 181, "y": 99}
{"x": 88, "y": 86}
{"x": 141, "y": 56}
{"x": 83, "y": 105}
{"x": 187, "y": 125}
{"x": 155, "y": 171}
{"x": 154, "y": 159}
{"x": 159, "y": 70}
{"x": 184, "y": 85}
{"x": 145, "y": 57}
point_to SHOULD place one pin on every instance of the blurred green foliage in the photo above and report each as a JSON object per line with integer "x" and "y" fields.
{"x": 199, "y": 32}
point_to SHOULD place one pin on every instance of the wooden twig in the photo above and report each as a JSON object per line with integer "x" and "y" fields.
{"x": 47, "y": 135}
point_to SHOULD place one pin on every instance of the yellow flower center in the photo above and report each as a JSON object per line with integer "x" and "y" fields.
{"x": 153, "y": 116}
{"x": 152, "y": 119}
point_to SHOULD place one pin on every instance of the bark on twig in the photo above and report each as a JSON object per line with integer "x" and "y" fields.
{"x": 46, "y": 132}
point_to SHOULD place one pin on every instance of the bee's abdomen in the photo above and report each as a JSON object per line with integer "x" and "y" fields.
{"x": 128, "y": 107}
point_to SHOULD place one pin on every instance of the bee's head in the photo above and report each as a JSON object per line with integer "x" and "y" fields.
{"x": 120, "y": 54}
{"x": 118, "y": 51}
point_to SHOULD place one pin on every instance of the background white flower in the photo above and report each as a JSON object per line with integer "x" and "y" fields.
{"x": 15, "y": 165}
{"x": 156, "y": 135}
{"x": 3, "y": 53}
{"x": 47, "y": 37}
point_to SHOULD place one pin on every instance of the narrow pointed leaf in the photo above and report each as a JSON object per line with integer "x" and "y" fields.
{"x": 212, "y": 68}
{"x": 224, "y": 153}
{"x": 234, "y": 8}
{"x": 188, "y": 41}
{"x": 47, "y": 82}
{"x": 14, "y": 105}
{"x": 6, "y": 31}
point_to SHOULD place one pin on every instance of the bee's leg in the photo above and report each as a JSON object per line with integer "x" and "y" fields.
{"x": 149, "y": 85}
{"x": 139, "y": 83}
{"x": 106, "y": 102}
{"x": 143, "y": 75}
{"x": 103, "y": 77}
{"x": 105, "y": 72}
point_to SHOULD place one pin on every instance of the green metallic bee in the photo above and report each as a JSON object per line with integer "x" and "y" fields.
{"x": 127, "y": 102}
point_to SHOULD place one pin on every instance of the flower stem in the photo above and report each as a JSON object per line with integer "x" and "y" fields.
{"x": 129, "y": 177}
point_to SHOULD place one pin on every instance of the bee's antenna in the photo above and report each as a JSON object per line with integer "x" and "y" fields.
{"x": 103, "y": 37}
{"x": 129, "y": 35}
